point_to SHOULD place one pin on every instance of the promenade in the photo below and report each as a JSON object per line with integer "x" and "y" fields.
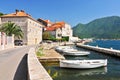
{"x": 35, "y": 69}
{"x": 13, "y": 63}
{"x": 49, "y": 53}
{"x": 111, "y": 51}
{"x": 51, "y": 56}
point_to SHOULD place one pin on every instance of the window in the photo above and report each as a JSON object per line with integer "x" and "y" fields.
{"x": 59, "y": 35}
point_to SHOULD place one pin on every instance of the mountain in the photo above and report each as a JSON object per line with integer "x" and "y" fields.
{"x": 102, "y": 28}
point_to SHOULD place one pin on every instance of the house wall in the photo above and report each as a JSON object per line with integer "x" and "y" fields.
{"x": 53, "y": 33}
{"x": 32, "y": 30}
{"x": 0, "y": 20}
{"x": 6, "y": 41}
{"x": 2, "y": 40}
{"x": 58, "y": 33}
{"x": 22, "y": 22}
{"x": 67, "y": 31}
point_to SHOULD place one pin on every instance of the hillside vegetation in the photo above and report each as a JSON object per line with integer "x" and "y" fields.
{"x": 103, "y": 28}
{"x": 1, "y": 14}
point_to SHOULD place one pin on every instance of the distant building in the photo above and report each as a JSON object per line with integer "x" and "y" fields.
{"x": 57, "y": 29}
{"x": 32, "y": 28}
{"x": 45, "y": 22}
{"x": 67, "y": 30}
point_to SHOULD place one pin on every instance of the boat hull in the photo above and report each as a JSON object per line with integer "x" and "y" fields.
{"x": 61, "y": 48}
{"x": 76, "y": 53}
{"x": 83, "y": 64}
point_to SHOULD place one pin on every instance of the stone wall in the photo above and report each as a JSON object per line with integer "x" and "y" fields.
{"x": 35, "y": 69}
{"x": 6, "y": 42}
{"x": 67, "y": 31}
{"x": 58, "y": 33}
{"x": 32, "y": 29}
{"x": 22, "y": 22}
{"x": 0, "y": 20}
{"x": 34, "y": 32}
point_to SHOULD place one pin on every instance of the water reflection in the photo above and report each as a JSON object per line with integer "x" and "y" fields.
{"x": 52, "y": 74}
{"x": 56, "y": 72}
{"x": 92, "y": 71}
{"x": 111, "y": 72}
{"x": 76, "y": 58}
{"x": 79, "y": 72}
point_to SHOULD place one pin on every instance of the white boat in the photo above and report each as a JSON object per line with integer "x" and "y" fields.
{"x": 76, "y": 53}
{"x": 62, "y": 48}
{"x": 83, "y": 64}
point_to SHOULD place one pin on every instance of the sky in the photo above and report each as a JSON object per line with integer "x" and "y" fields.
{"x": 70, "y": 11}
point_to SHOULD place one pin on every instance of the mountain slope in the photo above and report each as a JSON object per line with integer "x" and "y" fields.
{"x": 106, "y": 28}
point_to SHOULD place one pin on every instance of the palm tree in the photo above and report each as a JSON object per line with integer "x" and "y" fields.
{"x": 10, "y": 29}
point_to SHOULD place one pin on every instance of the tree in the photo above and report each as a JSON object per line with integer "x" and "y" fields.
{"x": 46, "y": 35}
{"x": 1, "y": 14}
{"x": 11, "y": 28}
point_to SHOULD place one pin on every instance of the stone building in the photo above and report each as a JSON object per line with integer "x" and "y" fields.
{"x": 58, "y": 29}
{"x": 56, "y": 32}
{"x": 46, "y": 23}
{"x": 31, "y": 28}
{"x": 67, "y": 30}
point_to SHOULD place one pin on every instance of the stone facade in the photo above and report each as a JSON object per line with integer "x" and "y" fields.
{"x": 58, "y": 29}
{"x": 6, "y": 41}
{"x": 58, "y": 33}
{"x": 0, "y": 20}
{"x": 34, "y": 33}
{"x": 31, "y": 28}
{"x": 67, "y": 31}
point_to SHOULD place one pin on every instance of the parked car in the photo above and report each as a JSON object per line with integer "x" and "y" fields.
{"x": 18, "y": 42}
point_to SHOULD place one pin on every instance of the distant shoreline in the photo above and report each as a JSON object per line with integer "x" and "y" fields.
{"x": 106, "y": 39}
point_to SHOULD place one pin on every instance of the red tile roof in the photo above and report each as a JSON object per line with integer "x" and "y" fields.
{"x": 20, "y": 13}
{"x": 17, "y": 14}
{"x": 55, "y": 26}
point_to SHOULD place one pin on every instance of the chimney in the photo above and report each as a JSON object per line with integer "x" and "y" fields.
{"x": 16, "y": 11}
{"x": 22, "y": 11}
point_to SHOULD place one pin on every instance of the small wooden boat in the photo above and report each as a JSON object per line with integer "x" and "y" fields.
{"x": 83, "y": 64}
{"x": 76, "y": 53}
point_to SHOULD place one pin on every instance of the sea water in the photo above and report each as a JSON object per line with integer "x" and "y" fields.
{"x": 111, "y": 72}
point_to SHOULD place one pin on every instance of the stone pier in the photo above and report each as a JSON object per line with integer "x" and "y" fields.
{"x": 111, "y": 51}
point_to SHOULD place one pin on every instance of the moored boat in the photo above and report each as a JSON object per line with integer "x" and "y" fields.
{"x": 83, "y": 64}
{"x": 62, "y": 48}
{"x": 76, "y": 53}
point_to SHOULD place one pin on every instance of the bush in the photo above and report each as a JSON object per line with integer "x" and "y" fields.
{"x": 52, "y": 38}
{"x": 65, "y": 38}
{"x": 39, "y": 52}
